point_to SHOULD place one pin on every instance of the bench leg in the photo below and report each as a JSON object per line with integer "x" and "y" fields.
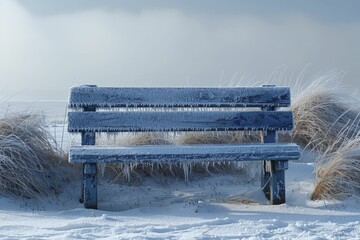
{"x": 81, "y": 200}
{"x": 265, "y": 178}
{"x": 90, "y": 185}
{"x": 277, "y": 182}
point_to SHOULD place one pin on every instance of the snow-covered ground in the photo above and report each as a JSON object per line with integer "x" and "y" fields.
{"x": 216, "y": 207}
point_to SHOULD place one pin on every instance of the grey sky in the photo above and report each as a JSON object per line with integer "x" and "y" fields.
{"x": 329, "y": 10}
{"x": 47, "y": 46}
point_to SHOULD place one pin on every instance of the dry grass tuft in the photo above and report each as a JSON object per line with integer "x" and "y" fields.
{"x": 218, "y": 137}
{"x": 30, "y": 164}
{"x": 327, "y": 121}
{"x": 338, "y": 172}
{"x": 148, "y": 138}
{"x": 323, "y": 117}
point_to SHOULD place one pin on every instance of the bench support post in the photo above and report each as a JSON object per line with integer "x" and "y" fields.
{"x": 87, "y": 138}
{"x": 273, "y": 172}
{"x": 277, "y": 185}
{"x": 273, "y": 175}
{"x": 267, "y": 137}
{"x": 265, "y": 178}
{"x": 90, "y": 185}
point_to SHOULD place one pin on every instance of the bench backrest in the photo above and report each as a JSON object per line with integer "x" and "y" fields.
{"x": 178, "y": 109}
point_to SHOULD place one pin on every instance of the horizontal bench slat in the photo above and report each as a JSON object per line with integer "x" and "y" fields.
{"x": 181, "y": 153}
{"x": 83, "y": 96}
{"x": 179, "y": 121}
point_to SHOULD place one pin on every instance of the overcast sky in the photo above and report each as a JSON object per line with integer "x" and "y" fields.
{"x": 47, "y": 46}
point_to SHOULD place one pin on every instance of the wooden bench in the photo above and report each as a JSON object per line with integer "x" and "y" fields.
{"x": 175, "y": 109}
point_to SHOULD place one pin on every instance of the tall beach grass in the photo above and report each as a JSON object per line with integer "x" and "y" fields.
{"x": 30, "y": 164}
{"x": 327, "y": 121}
{"x": 323, "y": 115}
{"x": 338, "y": 172}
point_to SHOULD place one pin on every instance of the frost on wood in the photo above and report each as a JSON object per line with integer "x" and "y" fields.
{"x": 172, "y": 153}
{"x": 180, "y": 97}
{"x": 179, "y": 121}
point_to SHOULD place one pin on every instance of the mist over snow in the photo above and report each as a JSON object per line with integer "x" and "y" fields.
{"x": 43, "y": 55}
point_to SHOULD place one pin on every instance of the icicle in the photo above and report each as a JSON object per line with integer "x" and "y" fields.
{"x": 207, "y": 167}
{"x": 170, "y": 169}
{"x": 126, "y": 171}
{"x": 186, "y": 171}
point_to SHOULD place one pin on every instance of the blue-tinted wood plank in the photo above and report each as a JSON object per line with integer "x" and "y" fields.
{"x": 179, "y": 153}
{"x": 179, "y": 97}
{"x": 178, "y": 121}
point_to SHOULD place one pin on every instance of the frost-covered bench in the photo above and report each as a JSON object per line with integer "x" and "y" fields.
{"x": 100, "y": 109}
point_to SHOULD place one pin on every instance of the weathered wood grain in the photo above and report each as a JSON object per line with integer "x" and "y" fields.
{"x": 183, "y": 153}
{"x": 179, "y": 97}
{"x": 178, "y": 121}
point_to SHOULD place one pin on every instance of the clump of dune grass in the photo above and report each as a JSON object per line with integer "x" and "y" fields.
{"x": 30, "y": 164}
{"x": 322, "y": 114}
{"x": 338, "y": 172}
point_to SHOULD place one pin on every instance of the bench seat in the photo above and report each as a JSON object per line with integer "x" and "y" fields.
{"x": 183, "y": 153}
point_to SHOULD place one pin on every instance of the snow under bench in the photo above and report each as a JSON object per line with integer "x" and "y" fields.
{"x": 104, "y": 109}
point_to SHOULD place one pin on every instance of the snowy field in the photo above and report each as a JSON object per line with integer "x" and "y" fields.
{"x": 222, "y": 206}
{"x": 218, "y": 207}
